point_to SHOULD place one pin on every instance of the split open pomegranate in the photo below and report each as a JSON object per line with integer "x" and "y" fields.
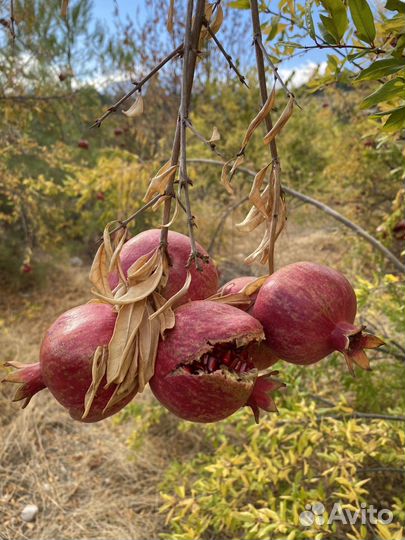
{"x": 203, "y": 371}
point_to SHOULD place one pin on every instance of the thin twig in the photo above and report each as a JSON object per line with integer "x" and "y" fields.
{"x": 275, "y": 70}
{"x": 201, "y": 137}
{"x": 192, "y": 56}
{"x": 328, "y": 210}
{"x": 138, "y": 85}
{"x": 38, "y": 98}
{"x": 317, "y": 37}
{"x": 12, "y": 20}
{"x": 227, "y": 56}
{"x": 183, "y": 116}
{"x": 376, "y": 50}
{"x": 135, "y": 214}
{"x": 257, "y": 38}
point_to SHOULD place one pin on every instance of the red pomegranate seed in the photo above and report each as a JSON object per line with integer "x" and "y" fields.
{"x": 212, "y": 363}
{"x": 227, "y": 358}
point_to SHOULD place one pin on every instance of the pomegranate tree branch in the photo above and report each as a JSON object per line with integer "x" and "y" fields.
{"x": 327, "y": 210}
{"x": 133, "y": 216}
{"x": 274, "y": 69}
{"x": 38, "y": 98}
{"x": 183, "y": 117}
{"x": 201, "y": 137}
{"x": 192, "y": 36}
{"x": 138, "y": 86}
{"x": 227, "y": 56}
{"x": 257, "y": 39}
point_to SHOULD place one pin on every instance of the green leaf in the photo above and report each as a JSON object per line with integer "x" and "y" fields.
{"x": 395, "y": 5}
{"x": 396, "y": 120}
{"x": 308, "y": 19}
{"x": 338, "y": 15}
{"x": 389, "y": 90}
{"x": 328, "y": 30}
{"x": 239, "y": 4}
{"x": 363, "y": 20}
{"x": 381, "y": 68}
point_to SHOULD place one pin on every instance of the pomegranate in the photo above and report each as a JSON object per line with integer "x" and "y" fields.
{"x": 262, "y": 356}
{"x": 203, "y": 284}
{"x": 83, "y": 144}
{"x": 65, "y": 365}
{"x": 307, "y": 311}
{"x": 203, "y": 370}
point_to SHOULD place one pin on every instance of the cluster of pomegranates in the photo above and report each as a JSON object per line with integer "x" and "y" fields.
{"x": 210, "y": 364}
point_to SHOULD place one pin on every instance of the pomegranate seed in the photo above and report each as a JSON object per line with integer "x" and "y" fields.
{"x": 187, "y": 369}
{"x": 227, "y": 358}
{"x": 212, "y": 363}
{"x": 243, "y": 367}
{"x": 236, "y": 367}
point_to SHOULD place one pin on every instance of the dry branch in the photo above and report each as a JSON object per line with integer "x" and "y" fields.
{"x": 138, "y": 85}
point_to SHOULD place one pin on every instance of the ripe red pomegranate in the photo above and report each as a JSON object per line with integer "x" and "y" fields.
{"x": 307, "y": 311}
{"x": 203, "y": 370}
{"x": 203, "y": 284}
{"x": 235, "y": 286}
{"x": 83, "y": 144}
{"x": 65, "y": 365}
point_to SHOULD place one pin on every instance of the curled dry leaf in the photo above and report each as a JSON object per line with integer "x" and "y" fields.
{"x": 259, "y": 118}
{"x": 170, "y": 18}
{"x": 261, "y": 253}
{"x": 159, "y": 183}
{"x": 216, "y": 23}
{"x": 234, "y": 299}
{"x": 215, "y": 137}
{"x": 136, "y": 109}
{"x": 255, "y": 195}
{"x": 226, "y": 176}
{"x": 281, "y": 122}
{"x": 179, "y": 294}
{"x": 98, "y": 370}
{"x": 254, "y": 218}
{"x": 99, "y": 272}
{"x": 174, "y": 217}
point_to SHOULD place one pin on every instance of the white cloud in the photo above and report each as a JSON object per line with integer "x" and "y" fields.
{"x": 301, "y": 74}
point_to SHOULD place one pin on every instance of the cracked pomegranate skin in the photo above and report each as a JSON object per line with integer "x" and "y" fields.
{"x": 203, "y": 284}
{"x": 66, "y": 359}
{"x": 208, "y": 397}
{"x": 301, "y": 307}
{"x": 262, "y": 356}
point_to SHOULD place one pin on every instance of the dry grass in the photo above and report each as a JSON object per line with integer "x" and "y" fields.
{"x": 80, "y": 476}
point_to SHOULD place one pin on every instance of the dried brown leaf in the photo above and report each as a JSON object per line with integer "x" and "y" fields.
{"x": 258, "y": 119}
{"x": 170, "y": 17}
{"x": 231, "y": 299}
{"x": 159, "y": 183}
{"x": 98, "y": 369}
{"x": 216, "y": 24}
{"x": 281, "y": 122}
{"x": 136, "y": 109}
{"x": 99, "y": 273}
{"x": 126, "y": 326}
{"x": 215, "y": 137}
{"x": 255, "y": 195}
{"x": 179, "y": 294}
{"x": 225, "y": 177}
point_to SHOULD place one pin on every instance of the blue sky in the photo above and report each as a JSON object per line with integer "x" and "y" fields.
{"x": 137, "y": 9}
